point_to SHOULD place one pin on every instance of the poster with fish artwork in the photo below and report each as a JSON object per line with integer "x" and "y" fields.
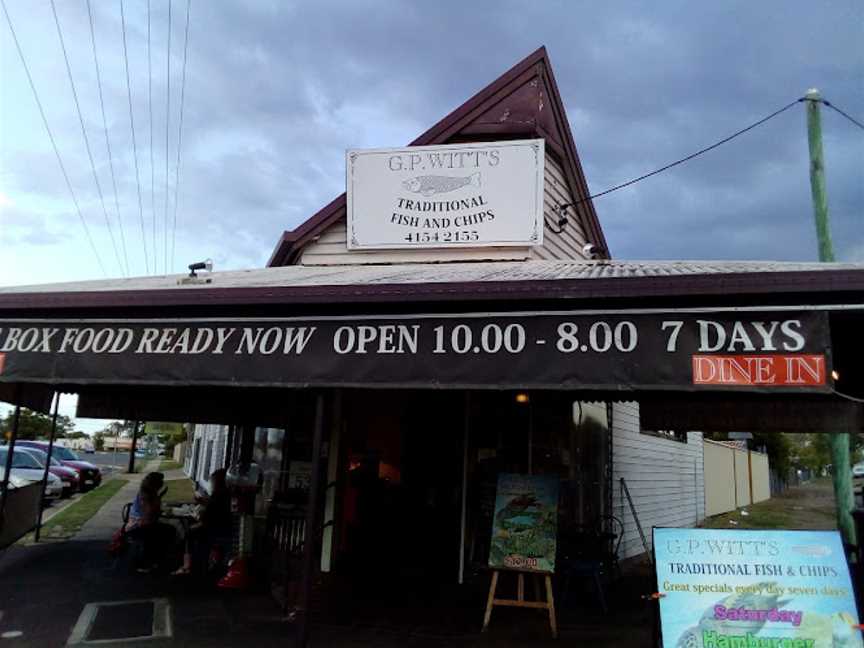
{"x": 455, "y": 195}
{"x": 728, "y": 588}
{"x": 525, "y": 523}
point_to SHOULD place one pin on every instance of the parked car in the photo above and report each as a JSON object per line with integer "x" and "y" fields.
{"x": 89, "y": 476}
{"x": 858, "y": 470}
{"x": 67, "y": 475}
{"x": 25, "y": 468}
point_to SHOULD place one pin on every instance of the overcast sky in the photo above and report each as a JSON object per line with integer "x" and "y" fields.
{"x": 276, "y": 91}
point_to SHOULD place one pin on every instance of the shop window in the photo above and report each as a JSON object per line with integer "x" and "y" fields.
{"x": 672, "y": 435}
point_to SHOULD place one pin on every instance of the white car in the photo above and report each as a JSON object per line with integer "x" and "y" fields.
{"x": 858, "y": 470}
{"x": 25, "y": 469}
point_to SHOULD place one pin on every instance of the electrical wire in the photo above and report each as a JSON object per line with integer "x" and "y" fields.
{"x": 180, "y": 133}
{"x": 685, "y": 159}
{"x": 846, "y": 115}
{"x": 86, "y": 139}
{"x": 53, "y": 142}
{"x": 132, "y": 126}
{"x": 167, "y": 128}
{"x": 854, "y": 399}
{"x": 150, "y": 108}
{"x": 108, "y": 143}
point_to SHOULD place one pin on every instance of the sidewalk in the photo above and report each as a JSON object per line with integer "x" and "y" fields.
{"x": 44, "y": 589}
{"x": 109, "y": 518}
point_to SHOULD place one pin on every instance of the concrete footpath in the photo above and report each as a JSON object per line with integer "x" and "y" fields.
{"x": 52, "y": 594}
{"x": 109, "y": 518}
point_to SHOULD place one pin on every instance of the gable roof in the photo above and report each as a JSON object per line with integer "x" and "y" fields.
{"x": 524, "y": 101}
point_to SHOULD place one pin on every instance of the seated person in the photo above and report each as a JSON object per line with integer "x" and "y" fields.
{"x": 214, "y": 521}
{"x": 157, "y": 538}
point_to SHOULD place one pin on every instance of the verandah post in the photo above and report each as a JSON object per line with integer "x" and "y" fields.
{"x": 311, "y": 538}
{"x": 132, "y": 448}
{"x": 47, "y": 464}
{"x": 10, "y": 449}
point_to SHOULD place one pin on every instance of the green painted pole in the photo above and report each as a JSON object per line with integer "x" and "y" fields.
{"x": 817, "y": 175}
{"x": 841, "y": 465}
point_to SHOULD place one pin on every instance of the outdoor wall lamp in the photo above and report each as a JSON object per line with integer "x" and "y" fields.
{"x": 522, "y": 398}
{"x": 201, "y": 265}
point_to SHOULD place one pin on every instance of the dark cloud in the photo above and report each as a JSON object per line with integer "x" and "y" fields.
{"x": 276, "y": 92}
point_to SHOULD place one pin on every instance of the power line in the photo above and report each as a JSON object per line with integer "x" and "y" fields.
{"x": 846, "y": 115}
{"x": 108, "y": 140}
{"x": 84, "y": 133}
{"x": 150, "y": 106}
{"x": 132, "y": 127}
{"x": 684, "y": 159}
{"x": 180, "y": 133}
{"x": 167, "y": 125}
{"x": 51, "y": 137}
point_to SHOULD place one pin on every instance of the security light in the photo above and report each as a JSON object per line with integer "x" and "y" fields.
{"x": 522, "y": 398}
{"x": 201, "y": 265}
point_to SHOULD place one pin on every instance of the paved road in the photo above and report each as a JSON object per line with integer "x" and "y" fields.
{"x": 119, "y": 460}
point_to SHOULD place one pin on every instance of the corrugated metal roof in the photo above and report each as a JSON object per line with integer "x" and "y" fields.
{"x": 444, "y": 273}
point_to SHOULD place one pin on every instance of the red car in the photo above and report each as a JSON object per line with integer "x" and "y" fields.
{"x": 89, "y": 476}
{"x": 69, "y": 476}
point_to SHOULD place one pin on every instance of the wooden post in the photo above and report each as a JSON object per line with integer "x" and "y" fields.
{"x": 132, "y": 448}
{"x": 464, "y": 516}
{"x": 47, "y": 464}
{"x": 329, "y": 536}
{"x": 311, "y": 524}
{"x": 841, "y": 465}
{"x": 10, "y": 449}
{"x": 750, "y": 473}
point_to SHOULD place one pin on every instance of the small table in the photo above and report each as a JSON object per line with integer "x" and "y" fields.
{"x": 186, "y": 514}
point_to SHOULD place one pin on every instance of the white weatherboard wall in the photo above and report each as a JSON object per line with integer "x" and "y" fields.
{"x": 665, "y": 479}
{"x": 210, "y": 457}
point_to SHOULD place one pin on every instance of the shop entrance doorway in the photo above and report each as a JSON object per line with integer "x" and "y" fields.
{"x": 400, "y": 486}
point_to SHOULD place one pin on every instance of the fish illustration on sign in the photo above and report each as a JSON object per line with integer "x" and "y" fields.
{"x": 429, "y": 185}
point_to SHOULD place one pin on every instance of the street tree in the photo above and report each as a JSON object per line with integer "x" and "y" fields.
{"x": 34, "y": 425}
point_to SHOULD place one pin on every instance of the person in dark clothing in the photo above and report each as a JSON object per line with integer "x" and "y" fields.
{"x": 214, "y": 521}
{"x": 157, "y": 538}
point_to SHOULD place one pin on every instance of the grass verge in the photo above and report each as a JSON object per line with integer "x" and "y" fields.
{"x": 167, "y": 464}
{"x": 809, "y": 506}
{"x": 179, "y": 490}
{"x": 70, "y": 520}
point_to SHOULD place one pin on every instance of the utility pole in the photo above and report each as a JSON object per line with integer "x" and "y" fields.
{"x": 841, "y": 470}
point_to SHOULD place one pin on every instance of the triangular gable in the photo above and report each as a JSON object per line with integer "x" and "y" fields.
{"x": 523, "y": 102}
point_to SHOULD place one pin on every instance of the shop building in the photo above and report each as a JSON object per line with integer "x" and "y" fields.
{"x": 382, "y": 378}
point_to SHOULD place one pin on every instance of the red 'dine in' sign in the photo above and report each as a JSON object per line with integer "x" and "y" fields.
{"x": 761, "y": 370}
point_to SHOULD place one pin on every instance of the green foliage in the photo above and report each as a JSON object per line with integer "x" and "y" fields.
{"x": 119, "y": 429}
{"x": 169, "y": 433}
{"x": 814, "y": 451}
{"x": 165, "y": 430}
{"x": 34, "y": 425}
